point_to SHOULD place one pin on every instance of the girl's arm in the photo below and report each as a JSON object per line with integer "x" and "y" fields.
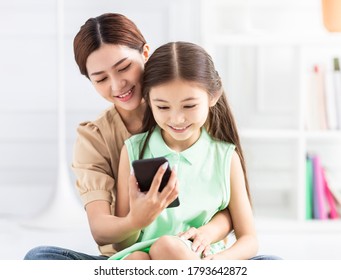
{"x": 134, "y": 210}
{"x": 216, "y": 229}
{"x": 246, "y": 245}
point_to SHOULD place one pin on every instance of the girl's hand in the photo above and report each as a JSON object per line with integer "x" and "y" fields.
{"x": 214, "y": 257}
{"x": 145, "y": 207}
{"x": 201, "y": 243}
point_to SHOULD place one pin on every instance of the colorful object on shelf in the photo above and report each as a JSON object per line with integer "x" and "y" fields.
{"x": 323, "y": 99}
{"x": 309, "y": 189}
{"x": 321, "y": 199}
{"x": 333, "y": 214}
{"x": 320, "y": 211}
{"x": 337, "y": 87}
{"x": 331, "y": 13}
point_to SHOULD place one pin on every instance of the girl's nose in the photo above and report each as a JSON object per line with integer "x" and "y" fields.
{"x": 178, "y": 118}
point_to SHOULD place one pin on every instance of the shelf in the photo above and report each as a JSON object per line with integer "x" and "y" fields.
{"x": 268, "y": 133}
{"x": 265, "y": 74}
{"x": 323, "y": 135}
{"x": 290, "y": 134}
{"x": 268, "y": 39}
{"x": 288, "y": 225}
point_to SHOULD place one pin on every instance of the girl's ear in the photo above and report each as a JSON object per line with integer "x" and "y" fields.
{"x": 215, "y": 97}
{"x": 145, "y": 52}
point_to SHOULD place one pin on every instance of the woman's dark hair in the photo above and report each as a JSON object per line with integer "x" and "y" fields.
{"x": 109, "y": 28}
{"x": 190, "y": 62}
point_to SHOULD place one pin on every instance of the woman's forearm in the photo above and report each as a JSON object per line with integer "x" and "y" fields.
{"x": 109, "y": 229}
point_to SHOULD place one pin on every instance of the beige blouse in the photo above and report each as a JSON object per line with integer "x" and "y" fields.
{"x": 96, "y": 159}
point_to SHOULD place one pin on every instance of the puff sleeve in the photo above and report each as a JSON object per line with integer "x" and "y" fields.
{"x": 92, "y": 165}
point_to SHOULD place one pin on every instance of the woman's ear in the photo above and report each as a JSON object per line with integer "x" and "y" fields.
{"x": 215, "y": 97}
{"x": 145, "y": 52}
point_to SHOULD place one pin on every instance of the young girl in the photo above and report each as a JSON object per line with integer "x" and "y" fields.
{"x": 189, "y": 122}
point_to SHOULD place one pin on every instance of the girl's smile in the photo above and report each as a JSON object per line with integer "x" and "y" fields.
{"x": 180, "y": 108}
{"x": 179, "y": 129}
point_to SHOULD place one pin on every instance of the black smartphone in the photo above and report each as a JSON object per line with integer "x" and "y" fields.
{"x": 145, "y": 170}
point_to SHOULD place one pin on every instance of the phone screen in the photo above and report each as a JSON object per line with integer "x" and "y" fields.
{"x": 145, "y": 170}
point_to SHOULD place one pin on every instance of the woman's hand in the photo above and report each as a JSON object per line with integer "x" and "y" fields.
{"x": 201, "y": 243}
{"x": 145, "y": 207}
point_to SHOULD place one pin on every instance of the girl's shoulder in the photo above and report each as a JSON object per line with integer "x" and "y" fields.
{"x": 137, "y": 139}
{"x": 222, "y": 150}
{"x": 216, "y": 142}
{"x": 134, "y": 145}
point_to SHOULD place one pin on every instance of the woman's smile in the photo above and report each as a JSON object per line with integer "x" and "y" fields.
{"x": 126, "y": 96}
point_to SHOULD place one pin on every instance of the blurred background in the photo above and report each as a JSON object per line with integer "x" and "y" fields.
{"x": 278, "y": 61}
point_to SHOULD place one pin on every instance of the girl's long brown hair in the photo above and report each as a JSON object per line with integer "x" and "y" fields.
{"x": 108, "y": 28}
{"x": 190, "y": 62}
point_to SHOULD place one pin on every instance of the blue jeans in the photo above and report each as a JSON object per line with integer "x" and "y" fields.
{"x": 265, "y": 257}
{"x": 57, "y": 253}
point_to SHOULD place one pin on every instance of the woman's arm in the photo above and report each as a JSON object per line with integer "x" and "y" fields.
{"x": 106, "y": 228}
{"x": 240, "y": 209}
{"x": 134, "y": 209}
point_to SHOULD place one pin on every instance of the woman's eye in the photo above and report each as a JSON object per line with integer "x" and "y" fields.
{"x": 190, "y": 106}
{"x": 162, "y": 107}
{"x": 101, "y": 80}
{"x": 125, "y": 68}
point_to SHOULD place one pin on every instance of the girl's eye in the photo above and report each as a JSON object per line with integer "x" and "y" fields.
{"x": 125, "y": 68}
{"x": 101, "y": 80}
{"x": 190, "y": 106}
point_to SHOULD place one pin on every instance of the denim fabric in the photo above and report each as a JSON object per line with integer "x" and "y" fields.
{"x": 56, "y": 253}
{"x": 265, "y": 257}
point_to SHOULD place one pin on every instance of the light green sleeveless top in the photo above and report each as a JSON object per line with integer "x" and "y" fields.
{"x": 204, "y": 185}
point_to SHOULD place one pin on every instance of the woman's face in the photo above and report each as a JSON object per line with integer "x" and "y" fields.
{"x": 116, "y": 73}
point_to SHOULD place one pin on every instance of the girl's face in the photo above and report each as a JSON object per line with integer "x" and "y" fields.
{"x": 116, "y": 72}
{"x": 180, "y": 108}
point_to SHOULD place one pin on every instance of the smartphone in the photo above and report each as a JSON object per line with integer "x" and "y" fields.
{"x": 145, "y": 170}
